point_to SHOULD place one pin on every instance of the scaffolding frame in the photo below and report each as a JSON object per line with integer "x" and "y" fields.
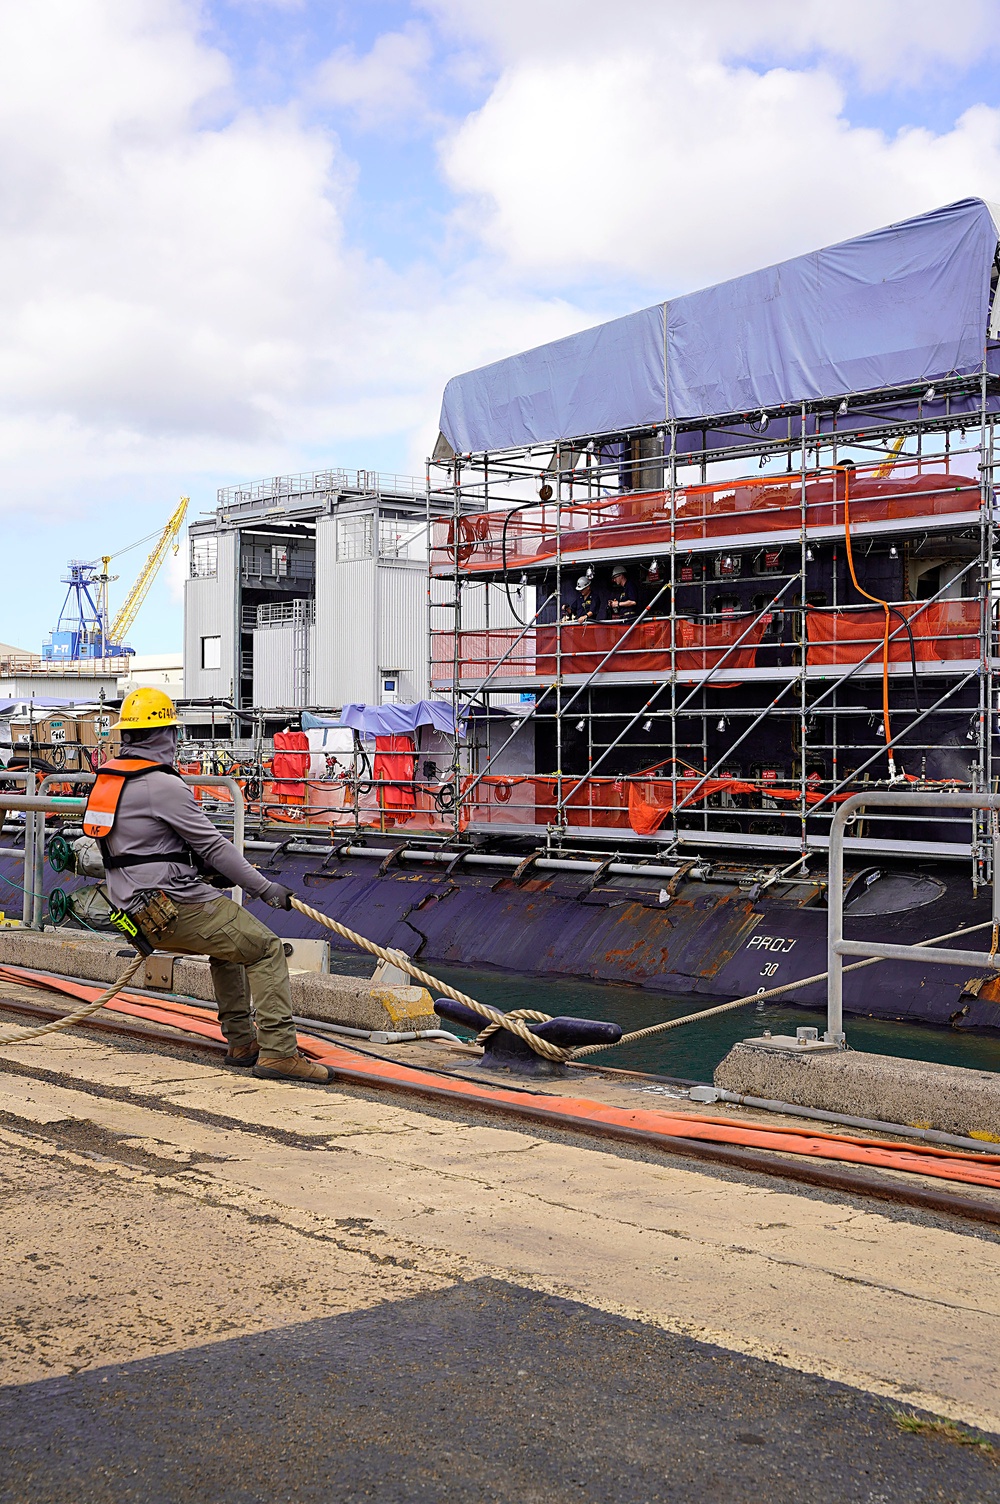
{"x": 923, "y": 431}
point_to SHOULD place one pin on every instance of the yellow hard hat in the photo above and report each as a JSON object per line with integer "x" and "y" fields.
{"x": 145, "y": 710}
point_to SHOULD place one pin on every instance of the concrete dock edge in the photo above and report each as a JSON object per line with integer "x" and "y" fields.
{"x": 920, "y": 1093}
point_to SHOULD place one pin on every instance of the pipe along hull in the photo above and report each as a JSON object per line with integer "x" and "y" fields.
{"x": 711, "y": 940}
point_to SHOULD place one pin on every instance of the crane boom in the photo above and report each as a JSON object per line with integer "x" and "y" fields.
{"x": 126, "y": 616}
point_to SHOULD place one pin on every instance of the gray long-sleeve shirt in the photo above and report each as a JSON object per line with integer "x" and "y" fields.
{"x": 158, "y": 812}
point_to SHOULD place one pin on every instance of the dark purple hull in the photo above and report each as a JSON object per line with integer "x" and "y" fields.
{"x": 711, "y": 941}
{"x": 715, "y": 943}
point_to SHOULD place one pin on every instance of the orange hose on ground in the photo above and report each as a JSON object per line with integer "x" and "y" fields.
{"x": 917, "y": 1159}
{"x": 876, "y": 601}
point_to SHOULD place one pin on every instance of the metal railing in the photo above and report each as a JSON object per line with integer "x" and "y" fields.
{"x": 65, "y": 668}
{"x": 838, "y": 947}
{"x": 320, "y": 482}
{"x": 36, "y": 805}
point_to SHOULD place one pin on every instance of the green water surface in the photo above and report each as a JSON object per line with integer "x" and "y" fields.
{"x": 692, "y": 1052}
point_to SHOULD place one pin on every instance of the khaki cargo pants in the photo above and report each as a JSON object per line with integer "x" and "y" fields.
{"x": 248, "y": 962}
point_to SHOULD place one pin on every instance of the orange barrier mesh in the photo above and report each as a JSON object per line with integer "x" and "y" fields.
{"x": 733, "y": 509}
{"x": 942, "y": 632}
{"x": 650, "y": 801}
{"x": 532, "y": 799}
{"x": 503, "y": 649}
{"x": 612, "y": 647}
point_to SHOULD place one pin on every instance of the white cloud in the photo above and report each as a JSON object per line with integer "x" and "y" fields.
{"x": 887, "y": 42}
{"x": 181, "y": 304}
{"x": 387, "y": 86}
{"x": 676, "y": 167}
{"x": 176, "y": 292}
{"x": 160, "y": 267}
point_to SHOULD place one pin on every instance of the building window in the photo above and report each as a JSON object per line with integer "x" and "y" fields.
{"x": 354, "y": 537}
{"x": 211, "y": 652}
{"x": 204, "y": 557}
{"x": 402, "y": 538}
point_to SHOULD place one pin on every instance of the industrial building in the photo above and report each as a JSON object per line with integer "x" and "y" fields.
{"x": 307, "y": 591}
{"x": 25, "y": 675}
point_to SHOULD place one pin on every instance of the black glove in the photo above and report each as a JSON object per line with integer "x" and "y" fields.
{"x": 277, "y": 897}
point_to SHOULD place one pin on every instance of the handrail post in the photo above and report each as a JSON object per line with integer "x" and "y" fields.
{"x": 994, "y": 826}
{"x": 239, "y": 825}
{"x": 27, "y": 777}
{"x": 216, "y": 780}
{"x": 835, "y": 924}
{"x": 30, "y": 829}
{"x": 837, "y": 947}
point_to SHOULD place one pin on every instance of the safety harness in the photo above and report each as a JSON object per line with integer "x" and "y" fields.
{"x": 102, "y": 810}
{"x": 153, "y": 911}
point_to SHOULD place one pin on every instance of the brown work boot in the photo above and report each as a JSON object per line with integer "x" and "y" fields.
{"x": 242, "y": 1055}
{"x": 292, "y": 1068}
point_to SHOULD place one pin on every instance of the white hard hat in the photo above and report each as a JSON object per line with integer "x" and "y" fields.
{"x": 583, "y": 582}
{"x": 618, "y": 568}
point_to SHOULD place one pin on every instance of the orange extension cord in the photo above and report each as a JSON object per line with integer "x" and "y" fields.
{"x": 917, "y": 1159}
{"x": 893, "y": 775}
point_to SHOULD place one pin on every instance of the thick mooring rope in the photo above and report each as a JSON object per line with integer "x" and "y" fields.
{"x": 514, "y": 1021}
{"x": 80, "y": 1013}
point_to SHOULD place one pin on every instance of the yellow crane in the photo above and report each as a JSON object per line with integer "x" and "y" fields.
{"x": 168, "y": 539}
{"x": 886, "y": 466}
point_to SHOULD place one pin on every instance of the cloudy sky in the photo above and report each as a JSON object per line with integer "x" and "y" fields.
{"x": 245, "y": 237}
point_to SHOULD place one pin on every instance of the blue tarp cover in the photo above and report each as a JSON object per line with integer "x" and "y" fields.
{"x": 902, "y": 304}
{"x": 41, "y": 702}
{"x": 391, "y": 720}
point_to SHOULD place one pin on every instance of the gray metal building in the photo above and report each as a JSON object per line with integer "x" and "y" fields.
{"x": 308, "y": 591}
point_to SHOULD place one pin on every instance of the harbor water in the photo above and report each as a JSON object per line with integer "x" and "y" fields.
{"x": 693, "y": 1051}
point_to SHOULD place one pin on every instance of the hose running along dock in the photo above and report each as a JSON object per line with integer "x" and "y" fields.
{"x": 799, "y": 1154}
{"x": 723, "y": 1139}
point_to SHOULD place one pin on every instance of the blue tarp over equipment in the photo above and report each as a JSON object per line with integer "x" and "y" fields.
{"x": 390, "y": 720}
{"x": 904, "y": 304}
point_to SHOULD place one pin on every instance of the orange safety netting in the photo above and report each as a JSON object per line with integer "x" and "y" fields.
{"x": 506, "y": 652}
{"x": 942, "y": 632}
{"x": 652, "y": 800}
{"x": 741, "y": 507}
{"x": 646, "y": 647}
{"x": 532, "y": 799}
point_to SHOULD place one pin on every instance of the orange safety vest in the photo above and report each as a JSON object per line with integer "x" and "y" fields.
{"x": 102, "y": 805}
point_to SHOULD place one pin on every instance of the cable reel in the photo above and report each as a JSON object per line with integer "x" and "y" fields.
{"x": 60, "y": 905}
{"x": 62, "y": 857}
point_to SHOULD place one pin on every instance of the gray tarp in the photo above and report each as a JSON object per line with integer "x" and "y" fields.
{"x": 902, "y": 304}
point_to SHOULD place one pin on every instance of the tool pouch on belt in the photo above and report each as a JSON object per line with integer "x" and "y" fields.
{"x": 146, "y": 922}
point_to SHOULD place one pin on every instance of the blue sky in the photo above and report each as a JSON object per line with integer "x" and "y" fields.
{"x": 246, "y": 237}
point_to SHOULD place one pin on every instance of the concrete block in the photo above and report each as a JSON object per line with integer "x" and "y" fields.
{"x": 919, "y": 1093}
{"x": 330, "y": 996}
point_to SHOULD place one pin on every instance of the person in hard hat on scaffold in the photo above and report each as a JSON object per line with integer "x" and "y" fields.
{"x": 157, "y": 846}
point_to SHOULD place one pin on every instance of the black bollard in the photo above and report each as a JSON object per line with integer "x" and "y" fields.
{"x": 505, "y": 1051}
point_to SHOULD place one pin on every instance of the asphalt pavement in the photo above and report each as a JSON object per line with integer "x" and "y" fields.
{"x": 483, "y": 1392}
